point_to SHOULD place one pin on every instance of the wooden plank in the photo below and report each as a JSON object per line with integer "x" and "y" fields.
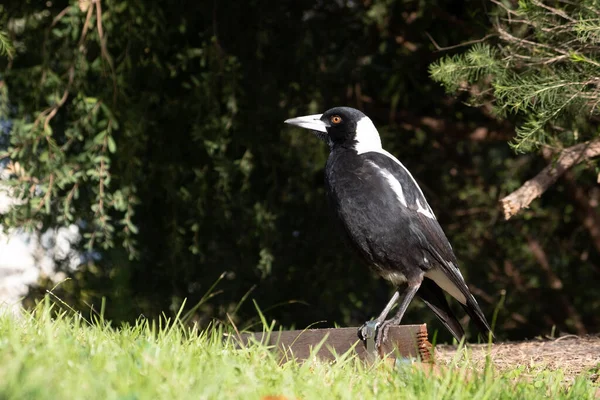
{"x": 408, "y": 341}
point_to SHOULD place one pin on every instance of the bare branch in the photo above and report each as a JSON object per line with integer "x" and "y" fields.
{"x": 556, "y": 11}
{"x": 510, "y": 38}
{"x": 533, "y": 188}
{"x": 104, "y": 49}
{"x": 528, "y": 43}
{"x": 59, "y": 16}
{"x": 54, "y": 109}
{"x": 468, "y": 43}
{"x": 47, "y": 196}
{"x": 85, "y": 27}
{"x": 554, "y": 59}
{"x": 50, "y": 112}
{"x": 508, "y": 10}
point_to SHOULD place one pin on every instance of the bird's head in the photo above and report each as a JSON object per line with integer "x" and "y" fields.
{"x": 342, "y": 126}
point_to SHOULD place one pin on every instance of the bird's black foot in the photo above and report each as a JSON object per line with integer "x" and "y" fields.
{"x": 368, "y": 330}
{"x": 375, "y": 330}
{"x": 382, "y": 332}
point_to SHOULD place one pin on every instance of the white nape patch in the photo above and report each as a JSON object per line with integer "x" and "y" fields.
{"x": 438, "y": 276}
{"x": 395, "y": 277}
{"x": 367, "y": 138}
{"x": 425, "y": 211}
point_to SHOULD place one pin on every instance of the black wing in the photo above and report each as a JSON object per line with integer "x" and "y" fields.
{"x": 444, "y": 270}
{"x": 433, "y": 240}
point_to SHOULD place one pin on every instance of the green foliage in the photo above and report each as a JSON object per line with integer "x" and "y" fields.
{"x": 543, "y": 70}
{"x": 167, "y": 360}
{"x": 161, "y": 136}
{"x": 476, "y": 63}
{"x": 6, "y": 48}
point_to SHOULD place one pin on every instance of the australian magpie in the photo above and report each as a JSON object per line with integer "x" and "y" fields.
{"x": 388, "y": 221}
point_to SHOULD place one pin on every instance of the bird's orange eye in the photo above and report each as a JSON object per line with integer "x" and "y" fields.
{"x": 336, "y": 119}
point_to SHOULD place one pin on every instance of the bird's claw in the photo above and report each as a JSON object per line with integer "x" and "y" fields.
{"x": 368, "y": 330}
{"x": 374, "y": 330}
{"x": 382, "y": 333}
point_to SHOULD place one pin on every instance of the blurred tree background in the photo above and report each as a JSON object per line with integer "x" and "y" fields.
{"x": 157, "y": 128}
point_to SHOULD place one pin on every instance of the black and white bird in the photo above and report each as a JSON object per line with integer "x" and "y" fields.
{"x": 387, "y": 219}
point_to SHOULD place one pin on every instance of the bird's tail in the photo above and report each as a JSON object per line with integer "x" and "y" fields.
{"x": 433, "y": 296}
{"x": 474, "y": 311}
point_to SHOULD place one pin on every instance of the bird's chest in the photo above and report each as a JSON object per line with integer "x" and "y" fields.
{"x": 349, "y": 193}
{"x": 358, "y": 196}
{"x": 359, "y": 208}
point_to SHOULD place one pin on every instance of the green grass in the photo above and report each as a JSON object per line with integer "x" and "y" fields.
{"x": 49, "y": 356}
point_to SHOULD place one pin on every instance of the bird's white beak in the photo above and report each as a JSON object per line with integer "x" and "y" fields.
{"x": 312, "y": 122}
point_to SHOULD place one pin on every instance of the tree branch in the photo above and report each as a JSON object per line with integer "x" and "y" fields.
{"x": 555, "y": 11}
{"x": 463, "y": 44}
{"x": 533, "y": 188}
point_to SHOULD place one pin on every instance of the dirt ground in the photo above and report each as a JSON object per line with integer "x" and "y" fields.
{"x": 574, "y": 355}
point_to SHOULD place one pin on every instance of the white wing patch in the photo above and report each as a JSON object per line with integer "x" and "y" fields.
{"x": 438, "y": 276}
{"x": 394, "y": 184}
{"x": 425, "y": 211}
{"x": 426, "y": 208}
{"x": 368, "y": 140}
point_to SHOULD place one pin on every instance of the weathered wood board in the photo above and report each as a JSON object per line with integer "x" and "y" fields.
{"x": 407, "y": 341}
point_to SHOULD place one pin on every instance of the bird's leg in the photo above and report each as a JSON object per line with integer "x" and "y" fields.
{"x": 369, "y": 329}
{"x": 409, "y": 294}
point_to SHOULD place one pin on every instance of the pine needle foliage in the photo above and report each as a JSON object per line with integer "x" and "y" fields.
{"x": 6, "y": 47}
{"x": 541, "y": 67}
